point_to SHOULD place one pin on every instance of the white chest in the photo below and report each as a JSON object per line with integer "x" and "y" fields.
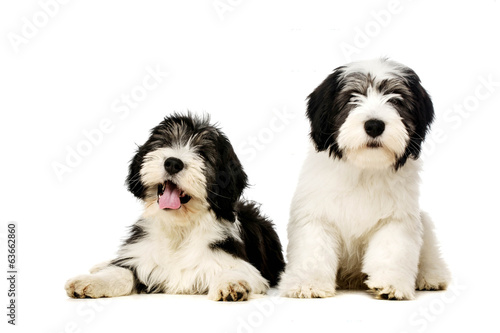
{"x": 355, "y": 200}
{"x": 179, "y": 263}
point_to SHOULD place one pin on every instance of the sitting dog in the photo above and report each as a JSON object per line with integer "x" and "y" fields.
{"x": 355, "y": 217}
{"x": 195, "y": 236}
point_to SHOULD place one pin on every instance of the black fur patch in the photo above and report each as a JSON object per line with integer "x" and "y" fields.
{"x": 231, "y": 246}
{"x": 227, "y": 179}
{"x": 327, "y": 110}
{"x": 261, "y": 246}
{"x": 136, "y": 234}
{"x": 417, "y": 112}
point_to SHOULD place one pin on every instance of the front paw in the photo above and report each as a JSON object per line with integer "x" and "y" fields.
{"x": 433, "y": 280}
{"x": 231, "y": 291}
{"x": 84, "y": 286}
{"x": 309, "y": 291}
{"x": 299, "y": 285}
{"x": 385, "y": 290}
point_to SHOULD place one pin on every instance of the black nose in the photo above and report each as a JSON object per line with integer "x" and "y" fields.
{"x": 173, "y": 165}
{"x": 374, "y": 127}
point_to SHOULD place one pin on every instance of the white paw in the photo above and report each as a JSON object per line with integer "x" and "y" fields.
{"x": 432, "y": 280}
{"x": 85, "y": 286}
{"x": 299, "y": 284}
{"x": 231, "y": 291}
{"x": 307, "y": 290}
{"x": 383, "y": 290}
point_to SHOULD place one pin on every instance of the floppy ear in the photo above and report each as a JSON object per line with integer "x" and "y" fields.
{"x": 423, "y": 116}
{"x": 230, "y": 180}
{"x": 322, "y": 108}
{"x": 134, "y": 182}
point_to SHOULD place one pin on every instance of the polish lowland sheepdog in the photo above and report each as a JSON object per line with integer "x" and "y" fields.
{"x": 195, "y": 236}
{"x": 355, "y": 218}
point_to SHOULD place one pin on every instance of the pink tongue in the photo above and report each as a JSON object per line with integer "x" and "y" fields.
{"x": 170, "y": 198}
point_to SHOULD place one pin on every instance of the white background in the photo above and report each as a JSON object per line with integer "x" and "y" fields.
{"x": 243, "y": 66}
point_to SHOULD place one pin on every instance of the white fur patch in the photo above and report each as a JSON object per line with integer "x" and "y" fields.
{"x": 179, "y": 258}
{"x": 106, "y": 282}
{"x": 379, "y": 68}
{"x": 359, "y": 222}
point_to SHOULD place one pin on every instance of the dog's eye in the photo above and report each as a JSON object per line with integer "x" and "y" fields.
{"x": 396, "y": 102}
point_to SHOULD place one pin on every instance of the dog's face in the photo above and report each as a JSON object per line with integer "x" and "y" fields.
{"x": 185, "y": 166}
{"x": 374, "y": 114}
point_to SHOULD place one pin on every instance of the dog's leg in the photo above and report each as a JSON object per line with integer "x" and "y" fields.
{"x": 313, "y": 252}
{"x": 99, "y": 267}
{"x": 107, "y": 282}
{"x": 391, "y": 259}
{"x": 433, "y": 273}
{"x": 236, "y": 281}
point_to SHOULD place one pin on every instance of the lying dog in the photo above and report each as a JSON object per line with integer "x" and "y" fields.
{"x": 355, "y": 217}
{"x": 195, "y": 235}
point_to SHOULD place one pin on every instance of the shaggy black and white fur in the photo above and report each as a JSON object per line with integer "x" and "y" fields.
{"x": 195, "y": 236}
{"x": 355, "y": 218}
